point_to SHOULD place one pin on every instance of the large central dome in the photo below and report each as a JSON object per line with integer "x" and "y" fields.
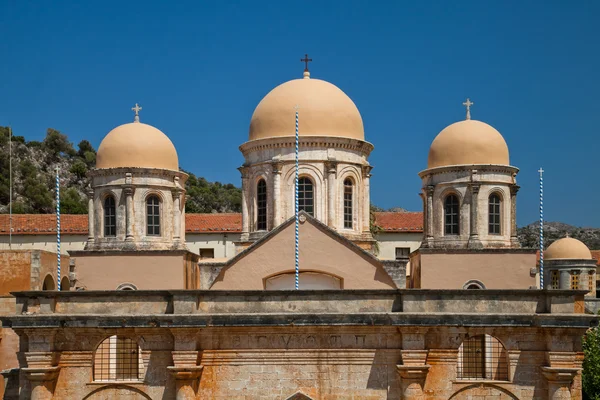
{"x": 324, "y": 110}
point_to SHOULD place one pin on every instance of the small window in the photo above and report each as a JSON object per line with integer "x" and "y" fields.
{"x": 482, "y": 357}
{"x": 207, "y": 253}
{"x": 153, "y": 216}
{"x": 348, "y": 204}
{"x": 402, "y": 252}
{"x": 554, "y": 282}
{"x": 110, "y": 217}
{"x": 306, "y": 196}
{"x": 575, "y": 280}
{"x": 494, "y": 215}
{"x": 451, "y": 215}
{"x": 118, "y": 358}
{"x": 261, "y": 205}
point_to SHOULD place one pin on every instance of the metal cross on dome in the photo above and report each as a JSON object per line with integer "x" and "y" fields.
{"x": 137, "y": 110}
{"x": 306, "y": 60}
{"x": 468, "y": 104}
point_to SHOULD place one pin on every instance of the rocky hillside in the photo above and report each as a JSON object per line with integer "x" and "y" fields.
{"x": 529, "y": 235}
{"x": 34, "y": 167}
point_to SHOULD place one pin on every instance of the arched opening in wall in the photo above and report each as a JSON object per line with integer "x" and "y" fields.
{"x": 473, "y": 284}
{"x": 49, "y": 283}
{"x": 482, "y": 357}
{"x": 261, "y": 205}
{"x": 153, "y": 216}
{"x": 126, "y": 286}
{"x": 348, "y": 206}
{"x": 494, "y": 214}
{"x": 451, "y": 215}
{"x": 118, "y": 358}
{"x": 110, "y": 217}
{"x": 65, "y": 284}
{"x": 306, "y": 196}
{"x": 307, "y": 280}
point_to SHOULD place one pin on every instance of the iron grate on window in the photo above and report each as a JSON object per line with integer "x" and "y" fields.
{"x": 451, "y": 215}
{"x": 348, "y": 204}
{"x": 306, "y": 196}
{"x": 482, "y": 357}
{"x": 153, "y": 216}
{"x": 261, "y": 205}
{"x": 117, "y": 359}
{"x": 494, "y": 215}
{"x": 110, "y": 217}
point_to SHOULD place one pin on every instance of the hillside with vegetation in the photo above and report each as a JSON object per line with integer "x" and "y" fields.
{"x": 34, "y": 166}
{"x": 529, "y": 235}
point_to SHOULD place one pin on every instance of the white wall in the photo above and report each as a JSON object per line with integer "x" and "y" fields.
{"x": 222, "y": 243}
{"x": 388, "y": 241}
{"x": 44, "y": 242}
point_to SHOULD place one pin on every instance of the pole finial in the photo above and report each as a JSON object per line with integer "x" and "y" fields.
{"x": 137, "y": 110}
{"x": 306, "y": 60}
{"x": 468, "y": 104}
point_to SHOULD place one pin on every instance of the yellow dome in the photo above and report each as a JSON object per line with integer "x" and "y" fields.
{"x": 137, "y": 145}
{"x": 468, "y": 142}
{"x": 324, "y": 110}
{"x": 568, "y": 248}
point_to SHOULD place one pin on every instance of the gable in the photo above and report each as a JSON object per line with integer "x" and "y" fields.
{"x": 320, "y": 251}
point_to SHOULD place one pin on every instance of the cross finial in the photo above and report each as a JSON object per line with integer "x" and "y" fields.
{"x": 468, "y": 104}
{"x": 137, "y": 110}
{"x": 306, "y": 60}
{"x": 541, "y": 171}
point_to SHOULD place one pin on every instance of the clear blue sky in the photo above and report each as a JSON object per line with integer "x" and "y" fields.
{"x": 199, "y": 68}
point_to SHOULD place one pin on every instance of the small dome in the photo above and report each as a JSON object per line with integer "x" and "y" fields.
{"x": 466, "y": 143}
{"x": 324, "y": 110}
{"x": 567, "y": 248}
{"x": 137, "y": 145}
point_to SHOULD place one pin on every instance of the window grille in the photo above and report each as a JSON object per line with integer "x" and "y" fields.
{"x": 574, "y": 280}
{"x": 451, "y": 215}
{"x": 261, "y": 205}
{"x": 110, "y": 217}
{"x": 348, "y": 204}
{"x": 554, "y": 279}
{"x": 482, "y": 357}
{"x": 494, "y": 215}
{"x": 306, "y": 196}
{"x": 402, "y": 252}
{"x": 118, "y": 358}
{"x": 153, "y": 216}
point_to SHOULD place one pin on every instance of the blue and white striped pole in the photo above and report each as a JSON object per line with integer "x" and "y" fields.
{"x": 57, "y": 229}
{"x": 296, "y": 209}
{"x": 541, "y": 171}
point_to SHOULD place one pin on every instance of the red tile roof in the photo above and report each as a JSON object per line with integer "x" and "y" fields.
{"x": 35, "y": 224}
{"x": 399, "y": 221}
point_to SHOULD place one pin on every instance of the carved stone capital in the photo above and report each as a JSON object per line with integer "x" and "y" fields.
{"x": 366, "y": 171}
{"x": 429, "y": 189}
{"x": 331, "y": 167}
{"x": 128, "y": 178}
{"x": 244, "y": 171}
{"x": 128, "y": 190}
{"x": 41, "y": 374}
{"x": 475, "y": 187}
{"x": 514, "y": 189}
{"x": 90, "y": 192}
{"x": 277, "y": 167}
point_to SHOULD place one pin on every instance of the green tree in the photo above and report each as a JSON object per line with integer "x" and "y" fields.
{"x": 591, "y": 364}
{"x": 57, "y": 145}
{"x": 79, "y": 169}
{"x": 35, "y": 190}
{"x": 71, "y": 202}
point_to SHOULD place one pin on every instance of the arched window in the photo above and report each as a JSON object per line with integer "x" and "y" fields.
{"x": 49, "y": 283}
{"x": 306, "y": 196}
{"x": 451, "y": 215}
{"x": 261, "y": 205}
{"x": 494, "y": 215}
{"x": 153, "y": 216}
{"x": 126, "y": 286}
{"x": 482, "y": 357}
{"x": 307, "y": 281}
{"x": 474, "y": 284}
{"x": 348, "y": 203}
{"x": 118, "y": 358}
{"x": 65, "y": 284}
{"x": 110, "y": 217}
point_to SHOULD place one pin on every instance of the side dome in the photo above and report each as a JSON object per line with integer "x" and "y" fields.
{"x": 324, "y": 110}
{"x": 137, "y": 145}
{"x": 567, "y": 248}
{"x": 466, "y": 143}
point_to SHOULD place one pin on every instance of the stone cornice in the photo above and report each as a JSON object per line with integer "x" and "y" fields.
{"x": 136, "y": 172}
{"x": 307, "y": 141}
{"x": 465, "y": 168}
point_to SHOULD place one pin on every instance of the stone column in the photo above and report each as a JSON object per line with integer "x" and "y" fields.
{"x": 91, "y": 216}
{"x": 331, "y": 168}
{"x": 429, "y": 212}
{"x": 474, "y": 218}
{"x": 185, "y": 369}
{"x": 366, "y": 197}
{"x": 559, "y": 382}
{"x": 564, "y": 282}
{"x": 177, "y": 212}
{"x": 514, "y": 240}
{"x": 41, "y": 369}
{"x": 128, "y": 207}
{"x": 245, "y": 216}
{"x": 276, "y": 194}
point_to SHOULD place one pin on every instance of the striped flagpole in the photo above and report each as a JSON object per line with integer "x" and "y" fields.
{"x": 296, "y": 209}
{"x": 58, "y": 228}
{"x": 541, "y": 171}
